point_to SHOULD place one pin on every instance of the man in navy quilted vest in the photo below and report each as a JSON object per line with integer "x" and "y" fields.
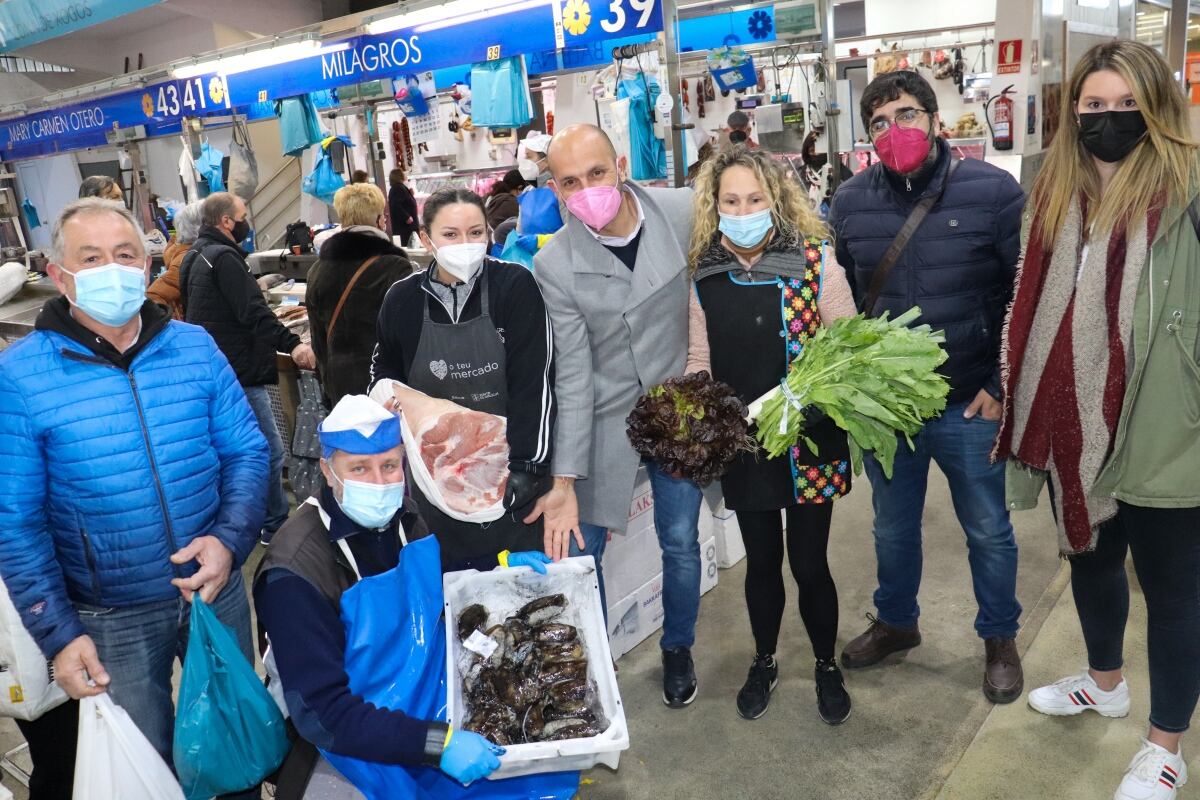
{"x": 958, "y": 266}
{"x": 132, "y": 474}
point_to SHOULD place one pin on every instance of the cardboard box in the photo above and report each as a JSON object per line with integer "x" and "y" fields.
{"x": 637, "y": 616}
{"x": 724, "y": 526}
{"x": 634, "y": 618}
{"x": 708, "y": 565}
{"x": 632, "y": 556}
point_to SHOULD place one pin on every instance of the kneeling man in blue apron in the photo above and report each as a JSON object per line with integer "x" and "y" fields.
{"x": 349, "y": 593}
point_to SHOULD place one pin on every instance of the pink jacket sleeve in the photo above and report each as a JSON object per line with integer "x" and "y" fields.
{"x": 698, "y": 353}
{"x": 836, "y": 300}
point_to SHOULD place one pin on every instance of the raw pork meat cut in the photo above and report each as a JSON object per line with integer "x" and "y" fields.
{"x": 464, "y": 452}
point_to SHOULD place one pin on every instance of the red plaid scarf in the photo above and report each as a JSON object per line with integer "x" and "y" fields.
{"x": 1066, "y": 362}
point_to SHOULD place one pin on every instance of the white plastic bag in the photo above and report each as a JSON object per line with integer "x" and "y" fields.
{"x": 243, "y": 167}
{"x": 27, "y": 689}
{"x": 114, "y": 761}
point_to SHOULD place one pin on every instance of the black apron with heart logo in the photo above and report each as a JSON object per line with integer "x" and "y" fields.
{"x": 464, "y": 362}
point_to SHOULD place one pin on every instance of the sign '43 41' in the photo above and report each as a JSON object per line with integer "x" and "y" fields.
{"x": 187, "y": 97}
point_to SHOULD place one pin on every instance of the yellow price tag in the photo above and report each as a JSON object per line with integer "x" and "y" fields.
{"x": 15, "y": 694}
{"x": 494, "y": 53}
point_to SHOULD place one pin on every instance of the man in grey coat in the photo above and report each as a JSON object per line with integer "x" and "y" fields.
{"x": 615, "y": 284}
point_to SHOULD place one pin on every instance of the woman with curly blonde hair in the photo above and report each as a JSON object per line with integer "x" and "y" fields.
{"x": 764, "y": 282}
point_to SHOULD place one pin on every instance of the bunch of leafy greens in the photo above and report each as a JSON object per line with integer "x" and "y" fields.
{"x": 875, "y": 378}
{"x": 692, "y": 425}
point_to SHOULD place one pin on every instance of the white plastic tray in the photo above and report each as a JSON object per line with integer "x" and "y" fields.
{"x": 503, "y": 592}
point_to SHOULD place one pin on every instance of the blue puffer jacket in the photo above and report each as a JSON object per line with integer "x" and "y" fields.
{"x": 107, "y": 471}
{"x": 959, "y": 266}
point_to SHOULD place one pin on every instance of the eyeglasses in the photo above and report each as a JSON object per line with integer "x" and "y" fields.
{"x": 905, "y": 118}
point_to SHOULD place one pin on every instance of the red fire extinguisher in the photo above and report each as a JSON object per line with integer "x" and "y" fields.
{"x": 1002, "y": 126}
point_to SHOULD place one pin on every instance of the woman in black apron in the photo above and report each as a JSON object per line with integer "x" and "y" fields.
{"x": 474, "y": 330}
{"x": 763, "y": 286}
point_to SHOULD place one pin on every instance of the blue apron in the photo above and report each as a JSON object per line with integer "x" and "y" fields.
{"x": 396, "y": 658}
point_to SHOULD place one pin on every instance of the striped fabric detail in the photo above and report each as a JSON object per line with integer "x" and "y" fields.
{"x": 1082, "y": 698}
{"x": 1168, "y": 777}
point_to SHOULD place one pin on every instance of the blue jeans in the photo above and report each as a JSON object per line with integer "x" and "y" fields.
{"x": 676, "y": 520}
{"x": 961, "y": 447}
{"x": 277, "y": 502}
{"x": 139, "y": 644}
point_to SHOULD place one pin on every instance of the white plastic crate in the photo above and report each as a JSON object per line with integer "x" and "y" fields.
{"x": 502, "y": 592}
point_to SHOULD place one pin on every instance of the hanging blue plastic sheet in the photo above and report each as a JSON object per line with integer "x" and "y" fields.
{"x": 229, "y": 734}
{"x": 299, "y": 127}
{"x": 208, "y": 165}
{"x": 500, "y": 92}
{"x": 396, "y": 658}
{"x": 324, "y": 181}
{"x": 648, "y": 154}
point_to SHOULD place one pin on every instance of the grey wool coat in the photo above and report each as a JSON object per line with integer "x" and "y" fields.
{"x": 616, "y": 334}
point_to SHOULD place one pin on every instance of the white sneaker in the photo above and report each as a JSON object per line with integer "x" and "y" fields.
{"x": 1154, "y": 774}
{"x": 1077, "y": 694}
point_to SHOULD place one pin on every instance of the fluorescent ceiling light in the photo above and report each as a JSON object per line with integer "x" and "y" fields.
{"x": 451, "y": 13}
{"x": 254, "y": 59}
{"x": 485, "y": 14}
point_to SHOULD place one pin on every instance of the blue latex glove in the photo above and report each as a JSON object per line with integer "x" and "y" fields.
{"x": 535, "y": 559}
{"x": 469, "y": 757}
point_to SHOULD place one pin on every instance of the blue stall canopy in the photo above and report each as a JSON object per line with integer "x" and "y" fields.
{"x": 575, "y": 31}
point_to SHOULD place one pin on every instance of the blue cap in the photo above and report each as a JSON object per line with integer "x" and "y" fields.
{"x": 359, "y": 425}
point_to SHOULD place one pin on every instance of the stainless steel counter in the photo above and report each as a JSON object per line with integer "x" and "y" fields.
{"x": 18, "y": 314}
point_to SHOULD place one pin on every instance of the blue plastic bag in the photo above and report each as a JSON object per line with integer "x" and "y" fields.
{"x": 31, "y": 215}
{"x": 520, "y": 248}
{"x": 500, "y": 92}
{"x": 229, "y": 734}
{"x": 539, "y": 211}
{"x": 396, "y": 658}
{"x": 648, "y": 154}
{"x": 324, "y": 181}
{"x": 299, "y": 127}
{"x": 209, "y": 167}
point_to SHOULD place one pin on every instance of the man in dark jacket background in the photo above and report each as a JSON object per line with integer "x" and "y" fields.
{"x": 220, "y": 295}
{"x": 959, "y": 267}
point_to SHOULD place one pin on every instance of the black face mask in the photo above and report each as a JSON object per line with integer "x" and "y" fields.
{"x": 241, "y": 229}
{"x": 1111, "y": 135}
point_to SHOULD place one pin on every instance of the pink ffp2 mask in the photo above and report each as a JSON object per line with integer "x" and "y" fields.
{"x": 595, "y": 206}
{"x": 903, "y": 149}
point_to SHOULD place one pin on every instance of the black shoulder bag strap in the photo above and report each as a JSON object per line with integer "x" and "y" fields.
{"x": 915, "y": 217}
{"x": 1193, "y": 211}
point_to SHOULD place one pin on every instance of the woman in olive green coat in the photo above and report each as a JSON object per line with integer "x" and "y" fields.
{"x": 1102, "y": 388}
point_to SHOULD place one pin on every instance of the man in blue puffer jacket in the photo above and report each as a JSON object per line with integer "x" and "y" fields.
{"x": 132, "y": 474}
{"x": 959, "y": 267}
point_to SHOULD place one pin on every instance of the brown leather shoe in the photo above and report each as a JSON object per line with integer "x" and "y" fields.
{"x": 879, "y": 642}
{"x": 1003, "y": 679}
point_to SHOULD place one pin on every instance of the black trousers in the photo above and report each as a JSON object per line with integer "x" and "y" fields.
{"x": 1165, "y": 543}
{"x": 807, "y": 539}
{"x": 51, "y": 739}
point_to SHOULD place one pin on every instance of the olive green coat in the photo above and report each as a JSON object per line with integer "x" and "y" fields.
{"x": 1155, "y": 460}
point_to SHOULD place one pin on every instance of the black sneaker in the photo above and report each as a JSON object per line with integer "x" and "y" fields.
{"x": 754, "y": 697}
{"x": 833, "y": 702}
{"x": 679, "y": 677}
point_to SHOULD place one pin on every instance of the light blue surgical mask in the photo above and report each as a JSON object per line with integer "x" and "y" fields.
{"x": 748, "y": 229}
{"x": 111, "y": 294}
{"x": 371, "y": 505}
